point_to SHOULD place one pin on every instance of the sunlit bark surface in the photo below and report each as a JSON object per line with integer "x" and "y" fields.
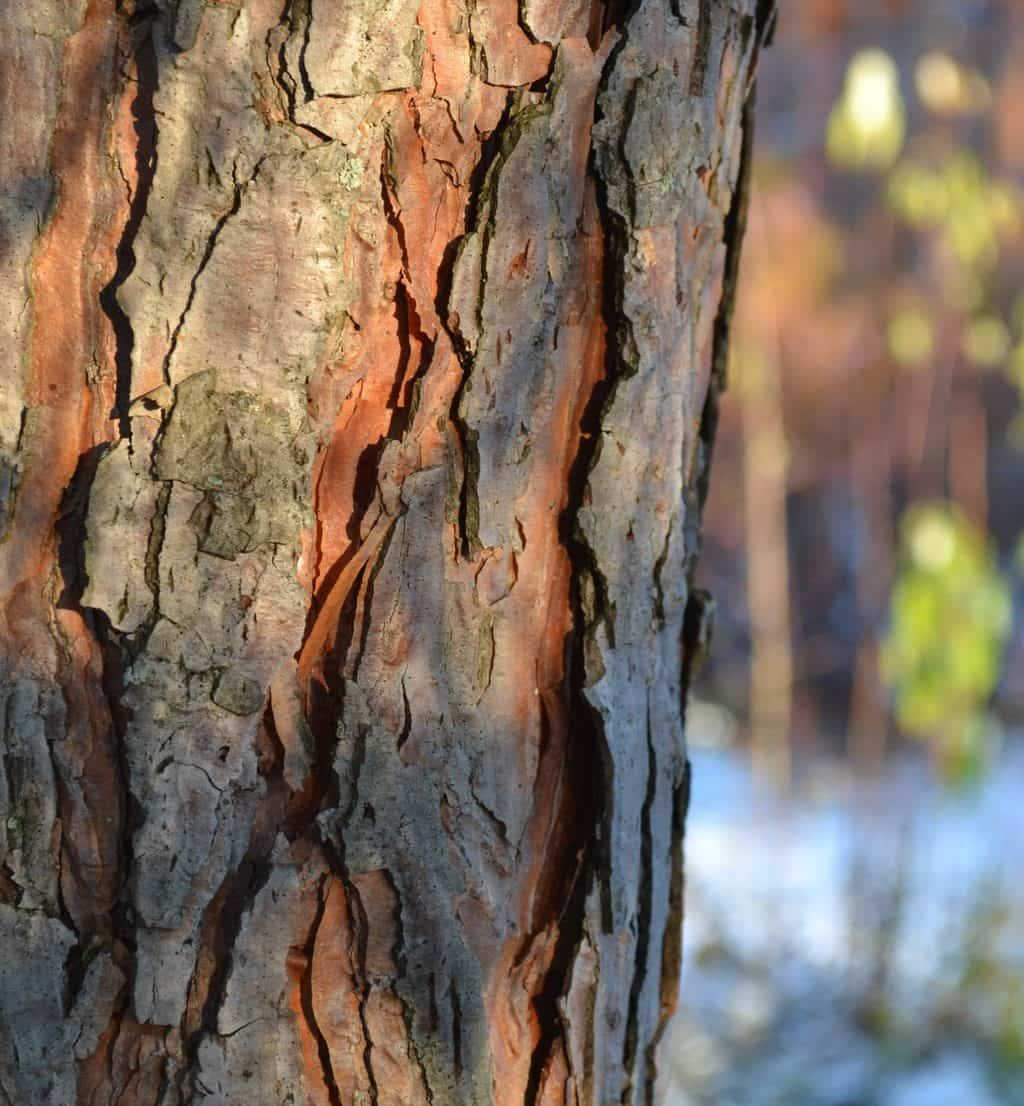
{"x": 359, "y": 368}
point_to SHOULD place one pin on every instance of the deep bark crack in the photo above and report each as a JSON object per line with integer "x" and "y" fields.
{"x": 308, "y": 1006}
{"x": 701, "y": 45}
{"x": 478, "y": 220}
{"x": 672, "y": 942}
{"x": 144, "y": 120}
{"x": 645, "y": 912}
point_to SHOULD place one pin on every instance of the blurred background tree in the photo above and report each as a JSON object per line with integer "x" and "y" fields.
{"x": 858, "y": 939}
{"x": 877, "y": 375}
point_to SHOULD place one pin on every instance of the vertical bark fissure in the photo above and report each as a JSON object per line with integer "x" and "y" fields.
{"x": 71, "y": 563}
{"x": 136, "y": 643}
{"x": 407, "y": 313}
{"x": 291, "y": 20}
{"x": 360, "y": 936}
{"x": 306, "y": 18}
{"x": 735, "y": 227}
{"x": 221, "y": 922}
{"x": 308, "y": 1005}
{"x": 701, "y": 45}
{"x": 589, "y": 758}
{"x": 645, "y": 911}
{"x": 219, "y": 930}
{"x": 672, "y": 946}
{"x": 282, "y": 77}
{"x": 479, "y": 220}
{"x": 456, "y": 1008}
{"x": 147, "y": 76}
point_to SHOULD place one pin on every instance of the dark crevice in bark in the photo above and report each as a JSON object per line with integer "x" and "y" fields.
{"x": 585, "y": 818}
{"x": 308, "y": 1007}
{"x": 360, "y": 931}
{"x": 408, "y": 1020}
{"x": 70, "y": 529}
{"x": 398, "y": 953}
{"x": 589, "y": 758}
{"x": 144, "y": 122}
{"x": 70, "y": 532}
{"x": 240, "y": 188}
{"x": 325, "y": 703}
{"x": 469, "y": 498}
{"x": 407, "y": 318}
{"x": 591, "y": 606}
{"x": 403, "y": 737}
{"x": 659, "y": 568}
{"x": 364, "y": 495}
{"x": 490, "y": 148}
{"x": 363, "y": 604}
{"x": 219, "y": 930}
{"x": 617, "y": 13}
{"x": 480, "y": 212}
{"x": 701, "y": 45}
{"x": 116, "y": 931}
{"x": 357, "y": 762}
{"x": 114, "y": 667}
{"x": 283, "y": 78}
{"x": 135, "y": 643}
{"x": 304, "y": 11}
{"x": 398, "y": 945}
{"x": 767, "y": 17}
{"x": 296, "y": 16}
{"x": 75, "y": 964}
{"x": 493, "y": 152}
{"x": 672, "y": 944}
{"x": 645, "y": 914}
{"x": 222, "y": 923}
{"x": 11, "y": 891}
{"x": 315, "y": 132}
{"x": 222, "y": 919}
{"x": 733, "y": 232}
{"x": 498, "y": 827}
{"x": 456, "y": 1008}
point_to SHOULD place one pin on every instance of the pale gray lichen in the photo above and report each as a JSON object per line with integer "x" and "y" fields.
{"x": 350, "y": 172}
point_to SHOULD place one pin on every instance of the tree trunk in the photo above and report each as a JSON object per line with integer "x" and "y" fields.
{"x": 360, "y": 368}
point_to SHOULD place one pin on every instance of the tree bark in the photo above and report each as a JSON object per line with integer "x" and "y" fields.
{"x": 360, "y": 369}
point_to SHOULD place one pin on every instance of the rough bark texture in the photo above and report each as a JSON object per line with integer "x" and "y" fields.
{"x": 359, "y": 369}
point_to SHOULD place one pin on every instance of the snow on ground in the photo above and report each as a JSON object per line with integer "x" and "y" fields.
{"x": 851, "y": 946}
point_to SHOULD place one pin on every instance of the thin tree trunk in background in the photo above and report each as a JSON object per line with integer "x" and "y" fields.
{"x": 767, "y": 562}
{"x": 359, "y": 380}
{"x": 871, "y": 483}
{"x": 968, "y": 443}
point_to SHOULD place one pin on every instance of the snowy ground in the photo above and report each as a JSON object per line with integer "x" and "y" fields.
{"x": 849, "y": 947}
